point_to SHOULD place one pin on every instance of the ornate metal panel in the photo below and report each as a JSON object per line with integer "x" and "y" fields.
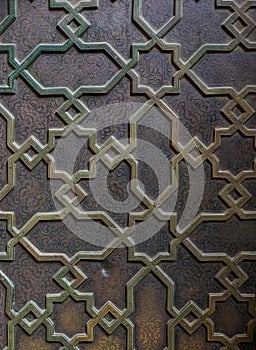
{"x": 127, "y": 180}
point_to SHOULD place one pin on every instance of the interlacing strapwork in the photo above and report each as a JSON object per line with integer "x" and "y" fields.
{"x": 127, "y": 178}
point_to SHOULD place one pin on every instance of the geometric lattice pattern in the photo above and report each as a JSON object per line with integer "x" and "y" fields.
{"x": 181, "y": 288}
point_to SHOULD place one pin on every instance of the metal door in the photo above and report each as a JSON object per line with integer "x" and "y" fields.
{"x": 127, "y": 178}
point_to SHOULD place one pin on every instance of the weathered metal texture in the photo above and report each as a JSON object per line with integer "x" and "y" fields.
{"x": 188, "y": 289}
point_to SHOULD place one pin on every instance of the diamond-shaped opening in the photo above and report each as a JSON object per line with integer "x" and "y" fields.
{"x": 194, "y": 152}
{"x": 235, "y": 194}
{"x": 71, "y": 195}
{"x": 191, "y": 317}
{"x": 74, "y": 25}
{"x": 30, "y": 318}
{"x": 231, "y": 277}
{"x": 70, "y": 277}
{"x": 240, "y": 25}
{"x": 32, "y": 153}
{"x": 113, "y": 153}
{"x": 237, "y": 111}
{"x": 109, "y": 317}
{"x": 73, "y": 112}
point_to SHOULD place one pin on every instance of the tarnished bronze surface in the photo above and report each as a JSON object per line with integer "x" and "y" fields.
{"x": 127, "y": 77}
